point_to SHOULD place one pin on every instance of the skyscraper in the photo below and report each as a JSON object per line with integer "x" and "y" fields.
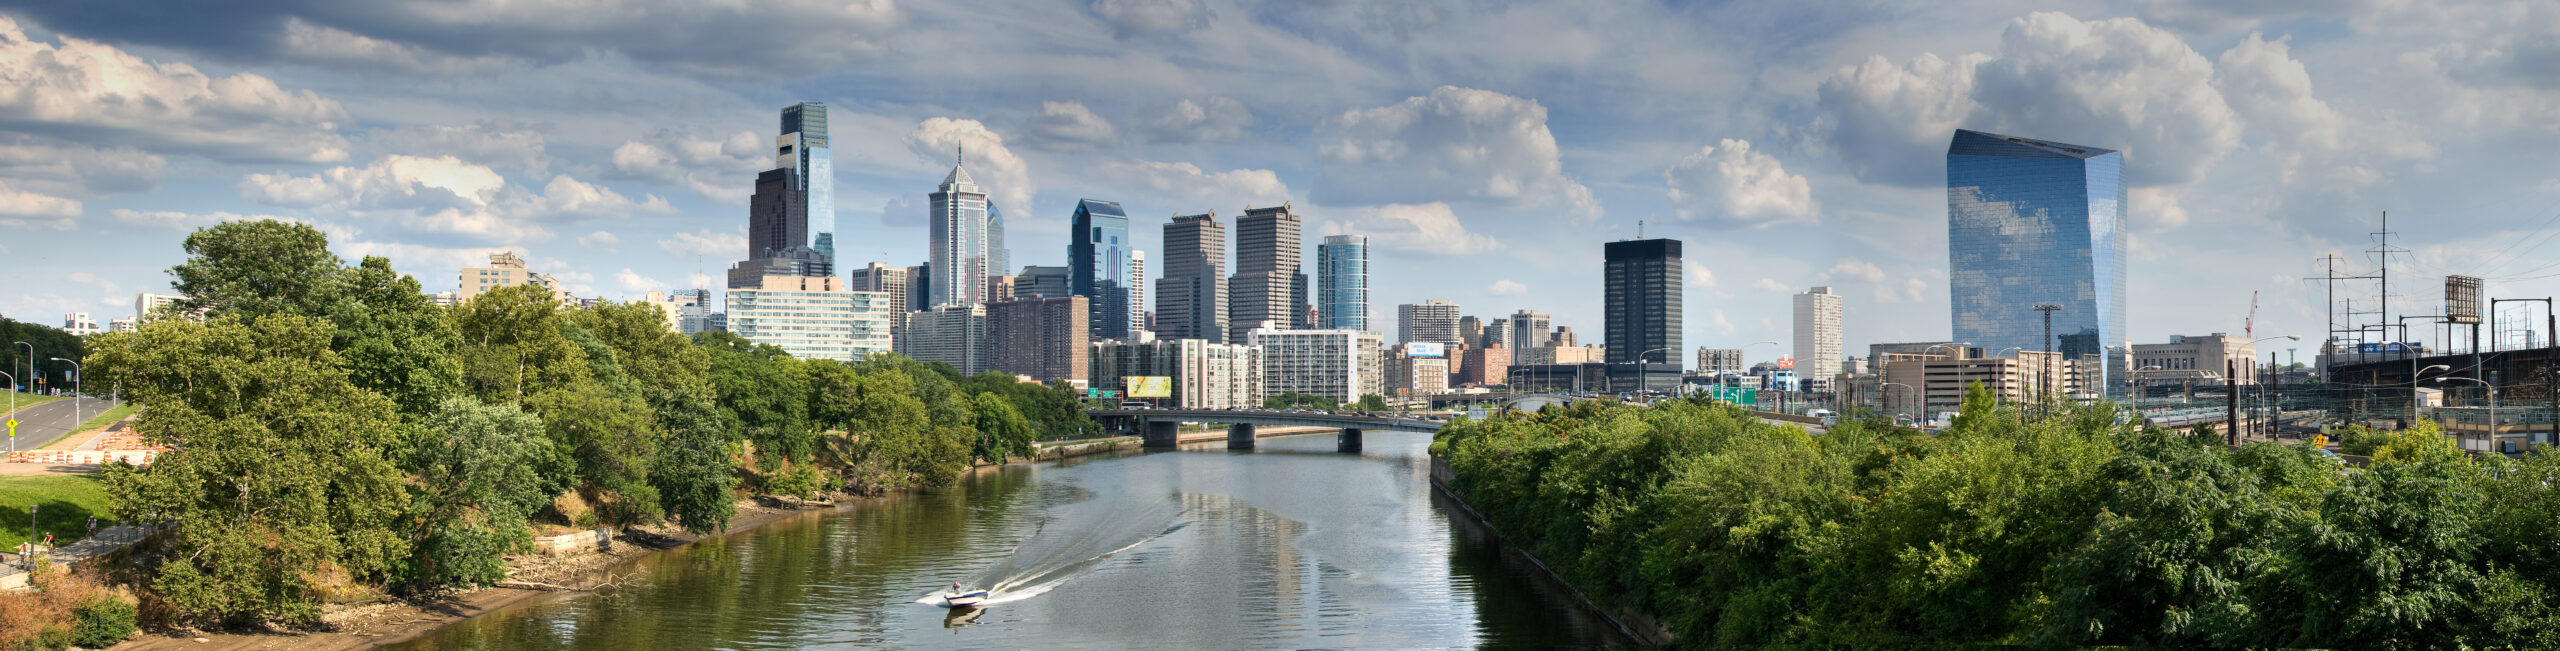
{"x": 1642, "y": 313}
{"x": 1434, "y": 321}
{"x": 1043, "y": 282}
{"x": 999, "y": 258}
{"x": 1040, "y": 337}
{"x": 791, "y": 219}
{"x": 1342, "y": 282}
{"x": 1098, "y": 261}
{"x": 2032, "y": 222}
{"x": 959, "y": 240}
{"x": 803, "y": 148}
{"x": 1817, "y": 337}
{"x": 1191, "y": 299}
{"x": 1529, "y": 328}
{"x": 1267, "y": 285}
{"x": 884, "y": 279}
{"x": 1138, "y": 291}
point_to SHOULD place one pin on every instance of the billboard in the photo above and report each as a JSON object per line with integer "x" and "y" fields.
{"x": 1426, "y": 349}
{"x": 1786, "y": 362}
{"x": 1149, "y": 386}
{"x": 2461, "y": 299}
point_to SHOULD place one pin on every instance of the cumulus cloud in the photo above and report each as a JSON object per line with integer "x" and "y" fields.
{"x": 904, "y": 211}
{"x": 705, "y": 245}
{"x": 1428, "y": 229}
{"x": 633, "y": 283}
{"x": 1698, "y": 274}
{"x": 1067, "y": 126}
{"x": 1729, "y": 184}
{"x": 2115, "y": 83}
{"x": 21, "y": 203}
{"x": 599, "y": 238}
{"x": 443, "y": 195}
{"x": 1847, "y": 270}
{"x": 721, "y": 169}
{"x": 1506, "y": 287}
{"x": 186, "y": 221}
{"x": 65, "y": 168}
{"x": 1002, "y": 175}
{"x": 321, "y": 44}
{"x": 1887, "y": 289}
{"x": 1188, "y": 184}
{"x": 1145, "y": 18}
{"x": 2273, "y": 94}
{"x": 1485, "y": 147}
{"x": 166, "y": 107}
{"x": 1213, "y": 120}
{"x": 488, "y": 142}
{"x": 1772, "y": 284}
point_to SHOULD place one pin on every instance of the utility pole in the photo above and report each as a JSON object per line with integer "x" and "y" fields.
{"x": 2044, "y": 380}
{"x": 2231, "y": 400}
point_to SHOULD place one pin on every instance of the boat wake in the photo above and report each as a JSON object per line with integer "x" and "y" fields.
{"x": 1070, "y": 541}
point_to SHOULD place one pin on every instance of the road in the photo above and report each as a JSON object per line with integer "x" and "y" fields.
{"x": 43, "y": 423}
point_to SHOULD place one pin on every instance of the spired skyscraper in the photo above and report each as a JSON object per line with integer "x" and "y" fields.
{"x": 2031, "y": 222}
{"x": 1342, "y": 283}
{"x": 964, "y": 251}
{"x": 1098, "y": 266}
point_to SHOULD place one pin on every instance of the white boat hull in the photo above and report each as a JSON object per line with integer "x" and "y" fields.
{"x": 963, "y": 599}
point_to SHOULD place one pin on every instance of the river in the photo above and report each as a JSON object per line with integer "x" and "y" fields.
{"x": 1291, "y": 545}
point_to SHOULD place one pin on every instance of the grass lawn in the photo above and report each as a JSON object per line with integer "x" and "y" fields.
{"x": 64, "y": 504}
{"x": 26, "y": 400}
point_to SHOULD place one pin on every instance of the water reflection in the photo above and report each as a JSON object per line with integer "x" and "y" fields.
{"x": 1291, "y": 545}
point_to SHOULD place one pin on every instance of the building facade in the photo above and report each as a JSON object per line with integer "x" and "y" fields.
{"x": 1339, "y": 364}
{"x": 1641, "y": 313}
{"x": 810, "y": 317}
{"x": 144, "y": 304}
{"x": 958, "y": 266}
{"x": 79, "y": 324}
{"x": 2189, "y": 358}
{"x": 1191, "y": 299}
{"x": 1046, "y": 282}
{"x": 951, "y": 334}
{"x": 2032, "y": 222}
{"x": 1411, "y": 374}
{"x": 1717, "y": 361}
{"x": 803, "y": 149}
{"x": 505, "y": 270}
{"x": 1102, "y": 266}
{"x": 1140, "y": 316}
{"x": 1342, "y": 283}
{"x": 1531, "y": 329}
{"x": 1483, "y": 367}
{"x": 1203, "y": 375}
{"x": 884, "y": 279}
{"x": 1817, "y": 337}
{"x": 1431, "y": 321}
{"x": 1043, "y": 338}
{"x": 1267, "y": 285}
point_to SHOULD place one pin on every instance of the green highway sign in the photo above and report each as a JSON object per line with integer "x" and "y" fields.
{"x": 1102, "y": 393}
{"x": 1738, "y": 395}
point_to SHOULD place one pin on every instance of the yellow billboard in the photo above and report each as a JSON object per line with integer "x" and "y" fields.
{"x": 1149, "y": 386}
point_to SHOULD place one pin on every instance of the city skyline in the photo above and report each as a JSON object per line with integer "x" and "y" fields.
{"x": 2264, "y": 141}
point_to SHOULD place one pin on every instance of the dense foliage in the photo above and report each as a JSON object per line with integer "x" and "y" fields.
{"x": 2006, "y": 529}
{"x": 49, "y": 342}
{"x": 333, "y": 430}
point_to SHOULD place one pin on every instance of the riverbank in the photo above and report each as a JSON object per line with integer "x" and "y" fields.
{"x": 1638, "y": 626}
{"x": 393, "y": 622}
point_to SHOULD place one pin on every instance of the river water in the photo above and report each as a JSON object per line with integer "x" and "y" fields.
{"x": 1291, "y": 545}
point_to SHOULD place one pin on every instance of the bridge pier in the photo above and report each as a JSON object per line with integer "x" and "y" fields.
{"x": 1161, "y": 433}
{"x": 1349, "y": 442}
{"x": 1240, "y": 436}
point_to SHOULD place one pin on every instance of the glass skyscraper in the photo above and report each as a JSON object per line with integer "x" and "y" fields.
{"x": 1342, "y": 283}
{"x": 1641, "y": 315}
{"x": 2034, "y": 222}
{"x": 958, "y": 237}
{"x": 1098, "y": 266}
{"x": 802, "y": 147}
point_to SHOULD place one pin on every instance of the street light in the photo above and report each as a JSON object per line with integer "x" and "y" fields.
{"x": 1641, "y": 374}
{"x": 31, "y": 366}
{"x": 2493, "y": 401}
{"x": 1915, "y": 393}
{"x": 13, "y": 410}
{"x": 75, "y": 391}
{"x": 2263, "y": 395}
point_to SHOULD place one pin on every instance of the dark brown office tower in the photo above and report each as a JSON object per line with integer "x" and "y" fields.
{"x": 1191, "y": 298}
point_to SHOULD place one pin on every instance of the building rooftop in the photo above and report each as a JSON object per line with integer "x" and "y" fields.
{"x": 1976, "y": 143}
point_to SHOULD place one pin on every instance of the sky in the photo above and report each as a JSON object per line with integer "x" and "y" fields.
{"x": 1487, "y": 148}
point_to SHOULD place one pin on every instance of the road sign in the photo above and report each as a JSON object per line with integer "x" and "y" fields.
{"x": 13, "y": 428}
{"x": 1738, "y": 395}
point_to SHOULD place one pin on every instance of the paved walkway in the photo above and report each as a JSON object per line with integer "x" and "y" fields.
{"x": 13, "y": 569}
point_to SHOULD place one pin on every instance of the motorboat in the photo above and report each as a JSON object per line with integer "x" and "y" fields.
{"x": 959, "y": 597}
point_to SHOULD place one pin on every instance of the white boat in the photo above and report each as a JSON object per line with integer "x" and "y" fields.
{"x": 961, "y": 598}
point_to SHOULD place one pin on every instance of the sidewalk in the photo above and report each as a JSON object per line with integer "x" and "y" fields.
{"x": 13, "y": 569}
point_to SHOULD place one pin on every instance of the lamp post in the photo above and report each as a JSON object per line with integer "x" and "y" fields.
{"x": 2262, "y": 390}
{"x": 31, "y": 367}
{"x": 1915, "y": 393}
{"x": 75, "y": 390}
{"x": 1643, "y": 377}
{"x": 13, "y": 411}
{"x": 2492, "y": 390}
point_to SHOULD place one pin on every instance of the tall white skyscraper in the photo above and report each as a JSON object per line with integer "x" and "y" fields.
{"x": 1818, "y": 335}
{"x": 959, "y": 240}
{"x": 1137, "y": 289}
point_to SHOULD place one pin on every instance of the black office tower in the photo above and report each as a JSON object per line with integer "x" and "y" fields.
{"x": 1642, "y": 315}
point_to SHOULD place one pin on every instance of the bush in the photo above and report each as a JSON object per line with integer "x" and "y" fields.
{"x": 104, "y": 619}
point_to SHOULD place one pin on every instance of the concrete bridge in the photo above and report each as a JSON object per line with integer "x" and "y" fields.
{"x": 1161, "y": 427}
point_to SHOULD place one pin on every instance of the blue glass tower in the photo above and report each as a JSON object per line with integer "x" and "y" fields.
{"x": 1098, "y": 265}
{"x": 1342, "y": 282}
{"x": 2032, "y": 222}
{"x": 802, "y": 147}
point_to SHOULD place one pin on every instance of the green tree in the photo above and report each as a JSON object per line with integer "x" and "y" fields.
{"x": 512, "y": 345}
{"x": 1002, "y": 432}
{"x": 768, "y": 394}
{"x": 394, "y": 341}
{"x": 1372, "y": 402}
{"x": 49, "y": 342}
{"x": 478, "y": 485}
{"x": 256, "y": 268}
{"x": 279, "y": 478}
{"x": 692, "y": 475}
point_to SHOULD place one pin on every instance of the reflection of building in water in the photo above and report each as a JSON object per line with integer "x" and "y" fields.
{"x": 1273, "y": 575}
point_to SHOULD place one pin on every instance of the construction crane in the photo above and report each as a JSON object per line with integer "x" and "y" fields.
{"x": 2249, "y": 328}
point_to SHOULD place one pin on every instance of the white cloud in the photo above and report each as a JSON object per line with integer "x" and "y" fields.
{"x": 1480, "y": 146}
{"x": 599, "y": 238}
{"x": 2273, "y": 93}
{"x": 1214, "y": 120}
{"x": 444, "y": 195}
{"x": 1698, "y": 273}
{"x": 1731, "y": 185}
{"x": 706, "y": 245}
{"x": 1187, "y": 184}
{"x": 1507, "y": 288}
{"x": 43, "y": 165}
{"x": 1428, "y": 229}
{"x": 21, "y": 203}
{"x": 1854, "y": 270}
{"x": 487, "y": 142}
{"x": 1003, "y": 176}
{"x": 185, "y": 221}
{"x": 721, "y": 169}
{"x": 163, "y": 106}
{"x": 1067, "y": 126}
{"x": 1152, "y": 18}
{"x": 329, "y": 45}
{"x": 633, "y": 283}
{"x": 724, "y": 40}
{"x": 1771, "y": 284}
{"x": 905, "y": 210}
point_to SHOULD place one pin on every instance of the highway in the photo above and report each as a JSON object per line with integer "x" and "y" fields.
{"x": 43, "y": 423}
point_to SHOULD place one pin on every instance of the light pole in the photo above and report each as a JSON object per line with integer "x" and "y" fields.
{"x": 2004, "y": 380}
{"x": 31, "y": 366}
{"x": 2262, "y": 390}
{"x": 75, "y": 391}
{"x": 1643, "y": 376}
{"x": 1888, "y": 393}
{"x": 13, "y": 411}
{"x": 2492, "y": 390}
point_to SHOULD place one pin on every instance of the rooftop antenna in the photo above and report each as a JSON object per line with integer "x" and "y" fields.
{"x": 1639, "y": 229}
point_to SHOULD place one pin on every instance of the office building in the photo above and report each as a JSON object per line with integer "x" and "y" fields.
{"x": 810, "y": 317}
{"x": 1715, "y": 361}
{"x": 802, "y": 150}
{"x": 1498, "y": 333}
{"x": 505, "y": 270}
{"x": 1267, "y": 285}
{"x": 1203, "y": 375}
{"x": 1941, "y": 377}
{"x": 999, "y": 258}
{"x": 1565, "y": 377}
{"x": 1339, "y": 364}
{"x": 1000, "y": 288}
{"x": 794, "y": 261}
{"x": 1432, "y": 321}
{"x": 1817, "y": 337}
{"x": 1342, "y": 282}
{"x": 1042, "y": 337}
{"x": 1470, "y": 331}
{"x": 884, "y": 279}
{"x": 958, "y": 239}
{"x": 1555, "y": 355}
{"x": 951, "y": 334}
{"x": 1641, "y": 313}
{"x": 79, "y": 323}
{"x": 1564, "y": 338}
{"x": 1191, "y": 299}
{"x": 1140, "y": 317}
{"x": 1416, "y": 369}
{"x": 2189, "y": 358}
{"x": 1482, "y": 367}
{"x": 2032, "y": 222}
{"x": 1101, "y": 264}
{"x": 1529, "y": 329}
{"x": 919, "y": 287}
{"x": 1045, "y": 282}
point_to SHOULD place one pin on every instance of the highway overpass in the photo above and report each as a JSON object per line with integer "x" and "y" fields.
{"x": 1160, "y": 427}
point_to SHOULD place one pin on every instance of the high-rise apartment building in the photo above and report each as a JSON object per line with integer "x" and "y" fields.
{"x": 1338, "y": 364}
{"x": 1101, "y": 265}
{"x": 1415, "y": 370}
{"x": 960, "y": 256}
{"x": 1138, "y": 311}
{"x": 79, "y": 324}
{"x": 1203, "y": 375}
{"x": 2033, "y": 222}
{"x": 1716, "y": 361}
{"x": 1044, "y": 282}
{"x": 1641, "y": 310}
{"x": 1040, "y": 337}
{"x": 146, "y": 303}
{"x": 1342, "y": 282}
{"x": 1000, "y": 288}
{"x": 1817, "y": 337}
{"x": 810, "y": 317}
{"x": 505, "y": 270}
{"x": 1433, "y": 321}
{"x": 1191, "y": 299}
{"x": 1267, "y": 285}
{"x": 951, "y": 334}
{"x": 1529, "y": 328}
{"x": 884, "y": 279}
